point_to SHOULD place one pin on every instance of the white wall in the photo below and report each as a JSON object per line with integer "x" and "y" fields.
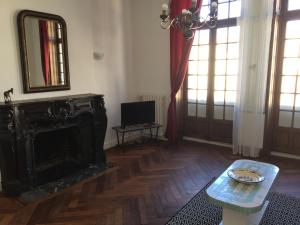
{"x": 151, "y": 49}
{"x": 112, "y": 26}
{"x": 78, "y": 16}
{"x": 101, "y": 26}
{"x": 126, "y": 32}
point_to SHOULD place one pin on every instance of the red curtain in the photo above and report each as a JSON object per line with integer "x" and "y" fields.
{"x": 180, "y": 51}
{"x": 44, "y": 41}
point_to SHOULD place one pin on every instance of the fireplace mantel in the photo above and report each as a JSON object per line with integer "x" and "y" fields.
{"x": 23, "y": 122}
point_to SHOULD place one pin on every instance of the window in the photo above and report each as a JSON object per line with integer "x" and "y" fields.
{"x": 289, "y": 73}
{"x": 212, "y": 75}
{"x": 213, "y": 64}
{"x": 284, "y": 117}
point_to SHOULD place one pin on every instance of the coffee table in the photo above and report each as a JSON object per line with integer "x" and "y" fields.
{"x": 243, "y": 204}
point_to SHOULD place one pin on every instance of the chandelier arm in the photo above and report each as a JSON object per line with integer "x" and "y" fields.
{"x": 188, "y": 20}
{"x": 169, "y": 26}
{"x": 199, "y": 26}
{"x": 197, "y": 11}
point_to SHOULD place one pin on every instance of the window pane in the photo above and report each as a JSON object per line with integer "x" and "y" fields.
{"x": 218, "y": 112}
{"x": 298, "y": 85}
{"x": 285, "y": 119}
{"x": 194, "y": 53}
{"x": 205, "y": 2}
{"x": 222, "y": 35}
{"x": 62, "y": 68}
{"x": 297, "y": 120}
{"x": 230, "y": 97}
{"x": 202, "y": 96}
{"x": 192, "y": 82}
{"x": 203, "y": 68}
{"x": 292, "y": 29}
{"x": 223, "y": 11}
{"x": 219, "y": 97}
{"x": 221, "y": 51}
{"x": 297, "y": 103}
{"x": 286, "y": 101}
{"x": 288, "y": 84}
{"x": 192, "y": 96}
{"x": 204, "y": 52}
{"x": 204, "y": 37}
{"x": 231, "y": 83}
{"x": 235, "y": 9}
{"x": 193, "y": 67}
{"x": 59, "y": 33}
{"x": 233, "y": 51}
{"x": 229, "y": 113}
{"x": 291, "y": 66}
{"x": 201, "y": 111}
{"x": 196, "y": 38}
{"x": 294, "y": 4}
{"x": 191, "y": 109}
{"x": 234, "y": 34}
{"x": 61, "y": 58}
{"x": 202, "y": 82}
{"x": 292, "y": 48}
{"x": 204, "y": 12}
{"x": 220, "y": 83}
{"x": 220, "y": 67}
{"x": 232, "y": 67}
{"x": 60, "y": 48}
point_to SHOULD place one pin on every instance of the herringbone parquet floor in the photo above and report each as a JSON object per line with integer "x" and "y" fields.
{"x": 147, "y": 185}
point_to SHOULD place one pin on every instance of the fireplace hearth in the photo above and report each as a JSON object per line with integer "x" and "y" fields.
{"x": 44, "y": 140}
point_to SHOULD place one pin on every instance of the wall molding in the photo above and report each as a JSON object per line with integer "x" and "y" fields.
{"x": 285, "y": 155}
{"x": 208, "y": 142}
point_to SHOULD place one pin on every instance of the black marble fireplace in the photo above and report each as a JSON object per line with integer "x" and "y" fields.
{"x": 46, "y": 139}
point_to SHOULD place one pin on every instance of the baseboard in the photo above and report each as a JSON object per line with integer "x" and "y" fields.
{"x": 162, "y": 138}
{"x": 208, "y": 142}
{"x": 113, "y": 142}
{"x": 285, "y": 155}
{"x": 110, "y": 144}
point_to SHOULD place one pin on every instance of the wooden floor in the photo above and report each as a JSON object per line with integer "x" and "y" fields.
{"x": 147, "y": 185}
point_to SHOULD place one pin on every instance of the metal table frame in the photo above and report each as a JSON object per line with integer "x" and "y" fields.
{"x": 127, "y": 129}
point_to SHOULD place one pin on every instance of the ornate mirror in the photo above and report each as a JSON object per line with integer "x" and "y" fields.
{"x": 44, "y": 52}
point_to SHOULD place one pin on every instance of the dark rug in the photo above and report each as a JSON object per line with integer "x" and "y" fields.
{"x": 282, "y": 210}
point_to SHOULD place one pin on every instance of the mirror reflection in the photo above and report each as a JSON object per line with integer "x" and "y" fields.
{"x": 44, "y": 49}
{"x": 43, "y": 39}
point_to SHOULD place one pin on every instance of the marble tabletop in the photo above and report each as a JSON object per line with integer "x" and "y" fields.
{"x": 246, "y": 198}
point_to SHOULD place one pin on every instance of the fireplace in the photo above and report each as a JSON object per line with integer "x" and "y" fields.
{"x": 46, "y": 139}
{"x": 57, "y": 153}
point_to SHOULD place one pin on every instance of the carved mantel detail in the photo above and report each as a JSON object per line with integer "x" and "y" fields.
{"x": 22, "y": 121}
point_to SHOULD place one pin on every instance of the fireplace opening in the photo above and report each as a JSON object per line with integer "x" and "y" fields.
{"x": 57, "y": 153}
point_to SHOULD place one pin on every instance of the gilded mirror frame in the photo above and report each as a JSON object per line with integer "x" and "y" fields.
{"x": 24, "y": 51}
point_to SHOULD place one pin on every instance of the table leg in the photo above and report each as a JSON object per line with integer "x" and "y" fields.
{"x": 232, "y": 217}
{"x": 156, "y": 135}
{"x": 123, "y": 137}
{"x": 118, "y": 137}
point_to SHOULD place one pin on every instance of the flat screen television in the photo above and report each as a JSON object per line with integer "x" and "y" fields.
{"x": 134, "y": 113}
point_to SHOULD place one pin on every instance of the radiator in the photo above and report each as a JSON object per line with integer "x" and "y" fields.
{"x": 160, "y": 107}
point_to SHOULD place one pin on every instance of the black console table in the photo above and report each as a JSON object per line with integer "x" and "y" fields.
{"x": 133, "y": 128}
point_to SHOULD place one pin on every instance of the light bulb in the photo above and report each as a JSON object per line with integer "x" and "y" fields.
{"x": 214, "y": 4}
{"x": 165, "y": 7}
{"x": 194, "y": 3}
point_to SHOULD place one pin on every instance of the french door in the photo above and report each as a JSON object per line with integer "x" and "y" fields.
{"x": 210, "y": 86}
{"x": 286, "y": 127}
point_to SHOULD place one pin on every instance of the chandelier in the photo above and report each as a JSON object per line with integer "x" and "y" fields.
{"x": 189, "y": 19}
